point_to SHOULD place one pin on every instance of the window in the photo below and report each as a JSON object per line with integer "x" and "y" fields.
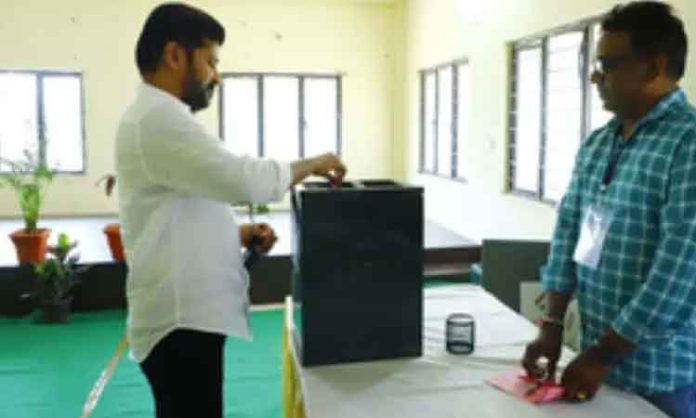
{"x": 598, "y": 116}
{"x": 42, "y": 112}
{"x": 445, "y": 98}
{"x": 281, "y": 116}
{"x": 553, "y": 109}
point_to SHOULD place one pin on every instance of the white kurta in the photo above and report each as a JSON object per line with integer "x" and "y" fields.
{"x": 176, "y": 183}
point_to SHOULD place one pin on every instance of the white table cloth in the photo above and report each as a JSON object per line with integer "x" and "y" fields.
{"x": 442, "y": 385}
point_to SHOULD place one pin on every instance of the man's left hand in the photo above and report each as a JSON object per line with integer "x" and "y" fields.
{"x": 258, "y": 236}
{"x": 584, "y": 375}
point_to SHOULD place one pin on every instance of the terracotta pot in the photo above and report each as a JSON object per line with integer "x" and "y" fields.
{"x": 31, "y": 246}
{"x": 113, "y": 235}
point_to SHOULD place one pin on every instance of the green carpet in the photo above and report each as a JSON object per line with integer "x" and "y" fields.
{"x": 48, "y": 370}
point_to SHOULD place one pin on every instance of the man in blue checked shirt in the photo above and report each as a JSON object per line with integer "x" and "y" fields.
{"x": 625, "y": 239}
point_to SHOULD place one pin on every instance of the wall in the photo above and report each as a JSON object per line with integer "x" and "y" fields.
{"x": 356, "y": 38}
{"x": 379, "y": 46}
{"x": 438, "y": 31}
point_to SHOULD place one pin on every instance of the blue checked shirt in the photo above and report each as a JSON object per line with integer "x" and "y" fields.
{"x": 645, "y": 284}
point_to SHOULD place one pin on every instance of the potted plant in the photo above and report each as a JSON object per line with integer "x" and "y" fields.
{"x": 29, "y": 179}
{"x": 253, "y": 209}
{"x": 56, "y": 277}
{"x": 112, "y": 231}
{"x": 258, "y": 209}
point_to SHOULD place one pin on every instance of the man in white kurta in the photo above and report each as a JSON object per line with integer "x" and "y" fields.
{"x": 187, "y": 287}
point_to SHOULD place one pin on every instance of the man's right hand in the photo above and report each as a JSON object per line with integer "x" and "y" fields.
{"x": 329, "y": 166}
{"x": 548, "y": 344}
{"x": 326, "y": 165}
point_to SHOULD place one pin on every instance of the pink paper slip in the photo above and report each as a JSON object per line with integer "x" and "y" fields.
{"x": 517, "y": 383}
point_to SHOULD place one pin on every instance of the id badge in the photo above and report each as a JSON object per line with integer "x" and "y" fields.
{"x": 592, "y": 234}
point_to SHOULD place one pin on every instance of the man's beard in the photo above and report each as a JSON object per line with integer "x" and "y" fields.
{"x": 196, "y": 94}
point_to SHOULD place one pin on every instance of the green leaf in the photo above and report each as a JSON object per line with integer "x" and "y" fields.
{"x": 63, "y": 241}
{"x": 29, "y": 178}
{"x": 262, "y": 209}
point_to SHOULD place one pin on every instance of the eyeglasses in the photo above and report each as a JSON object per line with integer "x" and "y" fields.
{"x": 604, "y": 64}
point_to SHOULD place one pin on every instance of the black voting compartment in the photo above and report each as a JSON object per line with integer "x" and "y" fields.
{"x": 357, "y": 271}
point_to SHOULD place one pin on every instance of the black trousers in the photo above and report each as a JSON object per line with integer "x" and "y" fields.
{"x": 185, "y": 372}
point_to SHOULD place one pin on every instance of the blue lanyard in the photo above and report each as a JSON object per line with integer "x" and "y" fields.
{"x": 614, "y": 156}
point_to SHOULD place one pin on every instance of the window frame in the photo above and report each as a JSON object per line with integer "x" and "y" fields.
{"x": 40, "y": 117}
{"x": 454, "y": 123}
{"x": 301, "y": 77}
{"x": 541, "y": 40}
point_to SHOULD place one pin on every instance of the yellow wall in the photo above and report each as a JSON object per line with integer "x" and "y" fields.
{"x": 357, "y": 38}
{"x": 438, "y": 31}
{"x": 379, "y": 46}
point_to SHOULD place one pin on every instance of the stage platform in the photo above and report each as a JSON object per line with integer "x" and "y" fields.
{"x": 447, "y": 256}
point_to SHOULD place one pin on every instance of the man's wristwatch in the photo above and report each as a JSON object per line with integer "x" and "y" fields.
{"x": 547, "y": 319}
